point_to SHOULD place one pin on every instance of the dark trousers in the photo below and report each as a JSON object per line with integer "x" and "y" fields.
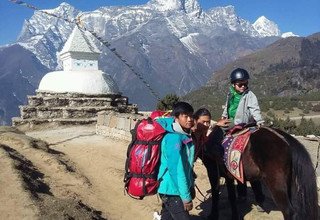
{"x": 172, "y": 208}
{"x": 256, "y": 188}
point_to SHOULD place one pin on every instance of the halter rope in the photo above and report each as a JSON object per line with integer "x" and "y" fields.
{"x": 317, "y": 163}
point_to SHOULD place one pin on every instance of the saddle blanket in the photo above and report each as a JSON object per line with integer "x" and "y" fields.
{"x": 233, "y": 148}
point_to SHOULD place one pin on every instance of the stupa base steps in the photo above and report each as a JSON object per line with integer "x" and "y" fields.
{"x": 75, "y": 100}
{"x": 31, "y": 122}
{"x": 44, "y": 112}
{"x": 70, "y": 108}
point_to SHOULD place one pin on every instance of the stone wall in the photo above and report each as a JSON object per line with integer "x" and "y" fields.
{"x": 117, "y": 125}
{"x": 70, "y": 108}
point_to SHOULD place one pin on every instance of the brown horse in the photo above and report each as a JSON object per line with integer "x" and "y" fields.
{"x": 277, "y": 159}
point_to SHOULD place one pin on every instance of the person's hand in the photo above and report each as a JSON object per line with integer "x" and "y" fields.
{"x": 224, "y": 122}
{"x": 259, "y": 125}
{"x": 194, "y": 128}
{"x": 188, "y": 206}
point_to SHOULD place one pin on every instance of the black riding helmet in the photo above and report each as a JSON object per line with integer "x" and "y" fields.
{"x": 239, "y": 75}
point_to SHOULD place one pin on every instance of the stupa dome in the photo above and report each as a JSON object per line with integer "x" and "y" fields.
{"x": 85, "y": 82}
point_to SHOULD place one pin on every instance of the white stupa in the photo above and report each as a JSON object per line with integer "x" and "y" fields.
{"x": 77, "y": 94}
{"x": 80, "y": 69}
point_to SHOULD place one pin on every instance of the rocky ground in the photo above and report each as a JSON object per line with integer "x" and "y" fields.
{"x": 72, "y": 173}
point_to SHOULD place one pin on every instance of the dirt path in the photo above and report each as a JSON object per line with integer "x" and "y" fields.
{"x": 12, "y": 191}
{"x": 51, "y": 188}
{"x": 100, "y": 160}
{"x": 79, "y": 175}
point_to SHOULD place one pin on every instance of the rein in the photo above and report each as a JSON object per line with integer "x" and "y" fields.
{"x": 204, "y": 197}
{"x": 200, "y": 153}
{"x": 317, "y": 164}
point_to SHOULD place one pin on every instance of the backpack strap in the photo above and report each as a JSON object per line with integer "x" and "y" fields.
{"x": 161, "y": 178}
{"x": 134, "y": 138}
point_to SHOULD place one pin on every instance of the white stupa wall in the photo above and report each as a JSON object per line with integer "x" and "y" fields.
{"x": 79, "y": 62}
{"x": 76, "y": 65}
{"x": 92, "y": 82}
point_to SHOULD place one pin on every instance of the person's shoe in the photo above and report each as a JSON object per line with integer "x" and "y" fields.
{"x": 156, "y": 216}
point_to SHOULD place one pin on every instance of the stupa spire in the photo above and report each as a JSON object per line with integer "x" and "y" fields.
{"x": 79, "y": 52}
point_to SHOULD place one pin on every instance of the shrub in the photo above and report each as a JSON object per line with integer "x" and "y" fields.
{"x": 167, "y": 102}
{"x": 316, "y": 108}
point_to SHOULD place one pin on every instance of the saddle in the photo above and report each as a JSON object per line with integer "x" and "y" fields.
{"x": 240, "y": 129}
{"x": 237, "y": 130}
{"x": 234, "y": 145}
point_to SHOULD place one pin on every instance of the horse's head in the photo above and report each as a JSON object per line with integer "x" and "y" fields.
{"x": 213, "y": 144}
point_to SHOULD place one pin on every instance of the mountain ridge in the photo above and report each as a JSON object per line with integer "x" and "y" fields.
{"x": 19, "y": 74}
{"x": 175, "y": 51}
{"x": 288, "y": 68}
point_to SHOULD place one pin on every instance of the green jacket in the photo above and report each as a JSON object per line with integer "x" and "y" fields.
{"x": 248, "y": 110}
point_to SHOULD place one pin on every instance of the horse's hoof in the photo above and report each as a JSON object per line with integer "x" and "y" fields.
{"x": 212, "y": 217}
{"x": 236, "y": 218}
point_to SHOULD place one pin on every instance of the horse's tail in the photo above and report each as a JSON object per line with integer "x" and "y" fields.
{"x": 304, "y": 195}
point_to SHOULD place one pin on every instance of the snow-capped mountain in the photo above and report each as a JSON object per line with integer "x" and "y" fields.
{"x": 174, "y": 44}
{"x": 227, "y": 18}
{"x": 188, "y": 6}
{"x": 44, "y": 35}
{"x": 265, "y": 27}
{"x": 288, "y": 34}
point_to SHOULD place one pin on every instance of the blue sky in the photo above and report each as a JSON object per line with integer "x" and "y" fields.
{"x": 300, "y": 17}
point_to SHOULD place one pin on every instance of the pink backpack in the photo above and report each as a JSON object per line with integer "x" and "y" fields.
{"x": 143, "y": 159}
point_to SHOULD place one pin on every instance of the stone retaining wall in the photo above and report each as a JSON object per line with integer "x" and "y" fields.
{"x": 117, "y": 125}
{"x": 70, "y": 108}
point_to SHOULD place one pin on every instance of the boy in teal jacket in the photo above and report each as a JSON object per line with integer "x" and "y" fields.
{"x": 176, "y": 178}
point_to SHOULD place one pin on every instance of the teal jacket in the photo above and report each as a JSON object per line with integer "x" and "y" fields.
{"x": 177, "y": 158}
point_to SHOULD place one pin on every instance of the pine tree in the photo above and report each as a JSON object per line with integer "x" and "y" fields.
{"x": 167, "y": 102}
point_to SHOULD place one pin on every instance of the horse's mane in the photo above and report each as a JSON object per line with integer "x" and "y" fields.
{"x": 213, "y": 144}
{"x": 216, "y": 136}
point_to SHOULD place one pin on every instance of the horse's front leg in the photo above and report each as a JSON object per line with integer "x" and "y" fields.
{"x": 213, "y": 174}
{"x": 232, "y": 198}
